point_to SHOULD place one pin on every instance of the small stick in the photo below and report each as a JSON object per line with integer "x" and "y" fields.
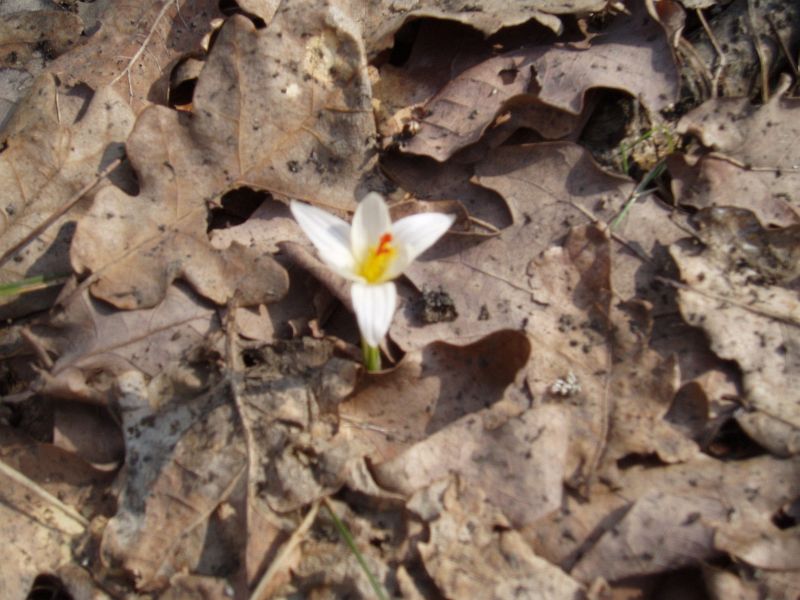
{"x": 43, "y": 494}
{"x": 762, "y": 59}
{"x": 262, "y": 590}
{"x": 721, "y": 62}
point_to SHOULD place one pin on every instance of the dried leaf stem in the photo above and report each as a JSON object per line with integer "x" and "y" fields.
{"x": 43, "y": 494}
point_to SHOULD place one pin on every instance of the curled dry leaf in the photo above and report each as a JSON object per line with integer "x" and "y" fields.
{"x": 495, "y": 562}
{"x": 740, "y": 290}
{"x": 776, "y": 435}
{"x": 382, "y": 19}
{"x": 303, "y": 133}
{"x": 46, "y": 161}
{"x": 633, "y": 55}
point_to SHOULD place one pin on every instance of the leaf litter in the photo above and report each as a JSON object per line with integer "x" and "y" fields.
{"x": 590, "y": 388}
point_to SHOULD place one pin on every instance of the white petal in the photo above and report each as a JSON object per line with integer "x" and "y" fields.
{"x": 330, "y": 235}
{"x": 374, "y": 306}
{"x": 415, "y": 234}
{"x": 370, "y": 222}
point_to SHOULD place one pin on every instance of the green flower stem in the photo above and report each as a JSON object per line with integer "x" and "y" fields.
{"x": 372, "y": 356}
{"x": 344, "y": 532}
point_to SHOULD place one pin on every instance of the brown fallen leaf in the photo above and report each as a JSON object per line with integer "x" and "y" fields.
{"x": 761, "y": 544}
{"x": 717, "y": 181}
{"x": 381, "y": 21}
{"x": 136, "y": 46}
{"x": 427, "y": 179}
{"x": 303, "y": 133}
{"x": 88, "y": 339}
{"x": 471, "y": 552}
{"x": 657, "y": 519}
{"x": 739, "y": 288}
{"x": 757, "y": 135}
{"x": 39, "y": 537}
{"x": 755, "y": 159}
{"x": 632, "y": 55}
{"x": 182, "y": 461}
{"x": 545, "y": 187}
{"x": 519, "y": 465}
{"x": 48, "y": 158}
{"x": 49, "y": 31}
{"x": 432, "y": 389}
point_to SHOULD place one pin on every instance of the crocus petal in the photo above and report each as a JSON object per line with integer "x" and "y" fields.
{"x": 370, "y": 222}
{"x": 374, "y": 306}
{"x": 415, "y": 234}
{"x": 330, "y": 235}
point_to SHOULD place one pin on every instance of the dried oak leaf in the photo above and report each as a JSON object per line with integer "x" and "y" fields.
{"x": 761, "y": 544}
{"x": 520, "y": 464}
{"x": 429, "y": 180}
{"x": 632, "y": 55}
{"x": 383, "y": 18}
{"x": 88, "y": 338}
{"x": 660, "y": 532}
{"x": 759, "y": 136}
{"x": 294, "y": 119}
{"x": 755, "y": 159}
{"x": 545, "y": 187}
{"x": 37, "y": 537}
{"x": 495, "y": 563}
{"x": 182, "y": 460}
{"x": 49, "y": 32}
{"x": 136, "y": 47}
{"x": 432, "y": 388}
{"x": 561, "y": 298}
{"x": 741, "y": 289}
{"x": 661, "y": 519}
{"x": 46, "y": 161}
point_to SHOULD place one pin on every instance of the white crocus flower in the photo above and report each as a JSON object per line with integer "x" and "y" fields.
{"x": 371, "y": 253}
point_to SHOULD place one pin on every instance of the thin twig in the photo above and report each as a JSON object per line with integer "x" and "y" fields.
{"x": 784, "y": 48}
{"x": 263, "y": 590}
{"x": 76, "y": 197}
{"x": 762, "y": 59}
{"x": 721, "y": 62}
{"x": 43, "y": 494}
{"x": 142, "y": 47}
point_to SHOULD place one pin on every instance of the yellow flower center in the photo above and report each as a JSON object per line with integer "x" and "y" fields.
{"x": 378, "y": 259}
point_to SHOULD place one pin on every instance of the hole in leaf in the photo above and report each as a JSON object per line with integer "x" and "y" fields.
{"x": 235, "y": 208}
{"x": 787, "y": 516}
{"x": 48, "y": 587}
{"x": 229, "y": 7}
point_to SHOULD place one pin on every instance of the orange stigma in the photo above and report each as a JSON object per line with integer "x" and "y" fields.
{"x": 384, "y": 245}
{"x": 378, "y": 259}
